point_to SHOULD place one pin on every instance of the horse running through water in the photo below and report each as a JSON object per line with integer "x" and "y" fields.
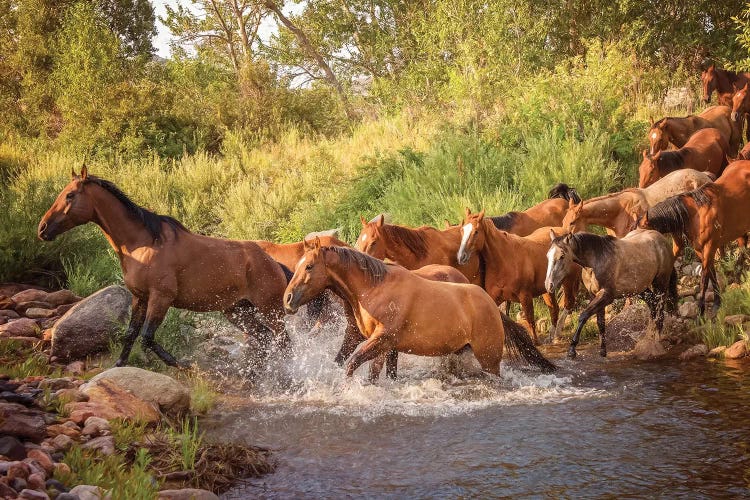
{"x": 515, "y": 268}
{"x": 618, "y": 212}
{"x": 165, "y": 265}
{"x": 396, "y": 309}
{"x": 709, "y": 217}
{"x": 706, "y": 150}
{"x": 679, "y": 130}
{"x": 640, "y": 264}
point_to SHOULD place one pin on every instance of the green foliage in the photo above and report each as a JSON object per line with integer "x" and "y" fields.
{"x": 186, "y": 441}
{"x": 202, "y": 394}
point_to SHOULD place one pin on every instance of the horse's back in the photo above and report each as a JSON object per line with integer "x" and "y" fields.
{"x": 440, "y": 272}
{"x": 674, "y": 183}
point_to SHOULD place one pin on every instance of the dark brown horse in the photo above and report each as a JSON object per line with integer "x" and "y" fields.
{"x": 706, "y": 150}
{"x": 725, "y": 83}
{"x": 395, "y": 309}
{"x": 165, "y": 265}
{"x": 678, "y": 131}
{"x": 709, "y": 217}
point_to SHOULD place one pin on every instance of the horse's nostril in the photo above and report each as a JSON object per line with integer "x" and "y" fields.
{"x": 43, "y": 227}
{"x": 288, "y": 298}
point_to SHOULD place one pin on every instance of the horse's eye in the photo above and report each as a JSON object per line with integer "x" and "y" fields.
{"x": 70, "y": 196}
{"x": 308, "y": 267}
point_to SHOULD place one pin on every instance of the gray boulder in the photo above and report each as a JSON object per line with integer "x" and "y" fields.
{"x": 88, "y": 327}
{"x": 161, "y": 390}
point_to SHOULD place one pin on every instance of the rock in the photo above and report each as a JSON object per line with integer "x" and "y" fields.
{"x": 22, "y": 327}
{"x": 54, "y": 483}
{"x": 736, "y": 319}
{"x": 61, "y": 468}
{"x": 688, "y": 310}
{"x": 43, "y": 459}
{"x": 36, "y": 482}
{"x": 67, "y": 496}
{"x": 717, "y": 352}
{"x": 648, "y": 347}
{"x": 19, "y": 483}
{"x": 170, "y": 396}
{"x": 624, "y": 329}
{"x": 38, "y": 312}
{"x": 29, "y": 295}
{"x": 7, "y": 303}
{"x": 694, "y": 352}
{"x": 76, "y": 368}
{"x": 55, "y": 384}
{"x": 60, "y": 310}
{"x": 6, "y": 491}
{"x": 18, "y": 469}
{"x": 736, "y": 350}
{"x": 9, "y": 313}
{"x": 88, "y": 327}
{"x": 86, "y": 492}
{"x": 103, "y": 444}
{"x": 62, "y": 442}
{"x": 687, "y": 292}
{"x": 108, "y": 400}
{"x": 187, "y": 494}
{"x": 95, "y": 426}
{"x": 61, "y": 298}
{"x": 33, "y": 495}
{"x": 22, "y": 422}
{"x": 71, "y": 395}
{"x": 12, "y": 448}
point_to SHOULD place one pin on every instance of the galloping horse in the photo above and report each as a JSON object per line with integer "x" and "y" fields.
{"x": 679, "y": 130}
{"x": 165, "y": 265}
{"x": 414, "y": 248}
{"x": 396, "y": 309}
{"x": 709, "y": 217}
{"x": 619, "y": 211}
{"x": 706, "y": 150}
{"x": 621, "y": 268}
{"x": 515, "y": 267}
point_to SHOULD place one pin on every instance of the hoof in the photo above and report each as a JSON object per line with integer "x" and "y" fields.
{"x": 572, "y": 353}
{"x": 120, "y": 362}
{"x": 603, "y": 353}
{"x": 185, "y": 365}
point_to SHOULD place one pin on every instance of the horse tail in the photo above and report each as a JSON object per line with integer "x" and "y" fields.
{"x": 671, "y": 300}
{"x": 519, "y": 345}
{"x": 288, "y": 274}
{"x": 564, "y": 191}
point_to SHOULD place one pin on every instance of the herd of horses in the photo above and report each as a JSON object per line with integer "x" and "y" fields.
{"x": 432, "y": 292}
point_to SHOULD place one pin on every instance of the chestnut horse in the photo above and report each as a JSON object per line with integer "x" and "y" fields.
{"x": 706, "y": 150}
{"x": 395, "y": 309}
{"x": 640, "y": 264}
{"x": 548, "y": 213}
{"x": 165, "y": 265}
{"x": 618, "y": 212}
{"x": 515, "y": 267}
{"x": 679, "y": 130}
{"x": 724, "y": 82}
{"x": 709, "y": 217}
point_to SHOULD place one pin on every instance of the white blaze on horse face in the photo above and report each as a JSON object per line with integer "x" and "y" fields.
{"x": 299, "y": 263}
{"x": 465, "y": 233}
{"x": 653, "y": 136}
{"x": 364, "y": 238}
{"x": 551, "y": 255}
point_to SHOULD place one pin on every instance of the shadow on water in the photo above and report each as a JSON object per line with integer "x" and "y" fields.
{"x": 596, "y": 428}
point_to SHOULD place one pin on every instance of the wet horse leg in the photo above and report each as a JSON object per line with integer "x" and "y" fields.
{"x": 527, "y": 306}
{"x": 137, "y": 317}
{"x": 599, "y": 302}
{"x": 378, "y": 343}
{"x": 554, "y": 312}
{"x": 715, "y": 285}
{"x": 602, "y": 327}
{"x": 158, "y": 305}
{"x": 243, "y": 315}
{"x": 352, "y": 336}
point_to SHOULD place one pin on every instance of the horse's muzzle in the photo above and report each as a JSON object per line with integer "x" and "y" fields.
{"x": 463, "y": 258}
{"x": 735, "y": 116}
{"x": 290, "y": 302}
{"x": 44, "y": 233}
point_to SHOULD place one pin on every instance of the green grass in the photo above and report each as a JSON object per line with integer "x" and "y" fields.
{"x": 187, "y": 440}
{"x": 202, "y": 394}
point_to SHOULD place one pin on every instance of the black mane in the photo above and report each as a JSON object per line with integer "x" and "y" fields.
{"x": 151, "y": 220}
{"x": 374, "y": 268}
{"x": 672, "y": 216}
{"x": 505, "y": 222}
{"x": 602, "y": 246}
{"x": 564, "y": 191}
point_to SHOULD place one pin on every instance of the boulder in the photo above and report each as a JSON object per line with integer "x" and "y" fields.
{"x": 736, "y": 350}
{"x": 696, "y": 351}
{"x": 688, "y": 310}
{"x": 39, "y": 313}
{"x": 95, "y": 426}
{"x": 736, "y": 319}
{"x": 19, "y": 421}
{"x": 648, "y": 347}
{"x": 61, "y": 298}
{"x": 12, "y": 448}
{"x": 103, "y": 444}
{"x": 6, "y": 303}
{"x": 62, "y": 442}
{"x": 88, "y": 327}
{"x": 166, "y": 393}
{"x": 22, "y": 327}
{"x": 33, "y": 495}
{"x": 187, "y": 494}
{"x": 109, "y": 401}
{"x": 9, "y": 313}
{"x": 29, "y": 295}
{"x": 42, "y": 458}
{"x": 86, "y": 492}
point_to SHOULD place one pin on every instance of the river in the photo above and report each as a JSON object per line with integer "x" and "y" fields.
{"x": 597, "y": 428}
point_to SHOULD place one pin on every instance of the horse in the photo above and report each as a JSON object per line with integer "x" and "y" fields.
{"x": 740, "y": 105}
{"x": 514, "y": 267}
{"x": 397, "y": 309}
{"x": 165, "y": 265}
{"x": 709, "y": 218}
{"x": 744, "y": 153}
{"x": 640, "y": 264}
{"x": 679, "y": 130}
{"x": 725, "y": 83}
{"x": 414, "y": 248}
{"x": 618, "y": 212}
{"x": 548, "y": 213}
{"x": 706, "y": 150}
{"x": 353, "y": 337}
{"x": 290, "y": 253}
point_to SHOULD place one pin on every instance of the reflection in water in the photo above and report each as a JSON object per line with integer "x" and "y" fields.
{"x": 596, "y": 428}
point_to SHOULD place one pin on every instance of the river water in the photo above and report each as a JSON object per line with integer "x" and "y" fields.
{"x": 597, "y": 428}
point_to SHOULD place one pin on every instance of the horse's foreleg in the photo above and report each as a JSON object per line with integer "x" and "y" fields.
{"x": 158, "y": 305}
{"x": 391, "y": 364}
{"x": 527, "y": 307}
{"x": 600, "y": 301}
{"x": 707, "y": 261}
{"x": 137, "y": 317}
{"x": 554, "y": 313}
{"x": 715, "y": 285}
{"x": 377, "y": 344}
{"x": 602, "y": 327}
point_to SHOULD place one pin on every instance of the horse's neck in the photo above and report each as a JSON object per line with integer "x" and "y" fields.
{"x": 671, "y": 161}
{"x": 679, "y": 130}
{"x": 349, "y": 282}
{"x": 603, "y": 212}
{"x": 124, "y": 233}
{"x": 588, "y": 258}
{"x": 399, "y": 252}
{"x": 724, "y": 81}
{"x": 498, "y": 245}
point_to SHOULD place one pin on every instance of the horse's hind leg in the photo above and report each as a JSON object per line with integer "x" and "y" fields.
{"x": 391, "y": 364}
{"x": 527, "y": 307}
{"x": 243, "y": 315}
{"x": 137, "y": 318}
{"x": 554, "y": 313}
{"x": 602, "y": 328}
{"x": 599, "y": 302}
{"x": 158, "y": 305}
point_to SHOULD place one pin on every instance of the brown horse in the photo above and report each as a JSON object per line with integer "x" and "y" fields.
{"x": 395, "y": 309}
{"x": 724, "y": 82}
{"x": 548, "y": 213}
{"x": 709, "y": 217}
{"x": 679, "y": 130}
{"x": 515, "y": 267}
{"x": 414, "y": 248}
{"x": 165, "y": 265}
{"x": 641, "y": 264}
{"x": 740, "y": 104}
{"x": 618, "y": 212}
{"x": 744, "y": 154}
{"x": 290, "y": 253}
{"x": 706, "y": 150}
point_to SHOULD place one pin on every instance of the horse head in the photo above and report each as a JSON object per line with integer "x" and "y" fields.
{"x": 72, "y": 207}
{"x": 573, "y": 220}
{"x": 472, "y": 236}
{"x": 739, "y": 103}
{"x": 648, "y": 171}
{"x": 709, "y": 81}
{"x": 310, "y": 277}
{"x": 559, "y": 260}
{"x": 370, "y": 239}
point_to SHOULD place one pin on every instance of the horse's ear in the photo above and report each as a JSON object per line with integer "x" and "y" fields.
{"x": 363, "y": 220}
{"x": 316, "y": 243}
{"x": 656, "y": 156}
{"x": 552, "y": 235}
{"x": 73, "y": 173}
{"x": 745, "y": 87}
{"x": 308, "y": 244}
{"x": 651, "y": 120}
{"x": 481, "y": 215}
{"x": 645, "y": 154}
{"x": 84, "y": 171}
{"x": 447, "y": 224}
{"x": 643, "y": 220}
{"x": 467, "y": 211}
{"x": 380, "y": 220}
